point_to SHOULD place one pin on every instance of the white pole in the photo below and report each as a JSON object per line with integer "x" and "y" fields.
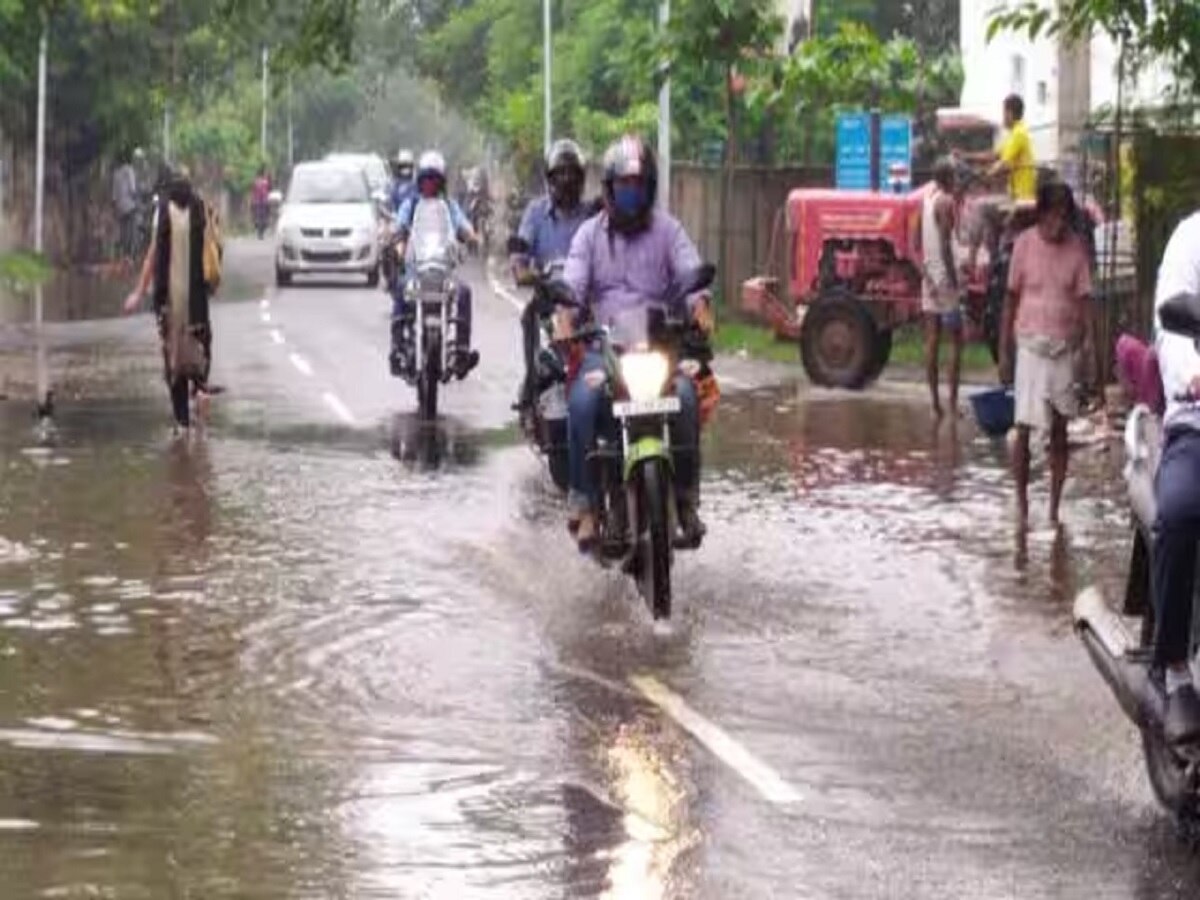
{"x": 548, "y": 137}
{"x": 291, "y": 128}
{"x": 166, "y": 132}
{"x": 664, "y": 122}
{"x": 263, "y": 136}
{"x": 39, "y": 208}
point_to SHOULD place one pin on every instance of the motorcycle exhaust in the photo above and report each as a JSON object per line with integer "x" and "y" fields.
{"x": 1116, "y": 655}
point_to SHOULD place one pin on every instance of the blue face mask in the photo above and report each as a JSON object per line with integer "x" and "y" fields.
{"x": 629, "y": 199}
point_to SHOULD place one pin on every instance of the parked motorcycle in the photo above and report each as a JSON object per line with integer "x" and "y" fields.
{"x": 637, "y": 508}
{"x": 1122, "y": 657}
{"x": 544, "y": 421}
{"x": 431, "y": 291}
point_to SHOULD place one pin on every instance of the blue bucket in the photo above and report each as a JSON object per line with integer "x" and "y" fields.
{"x": 995, "y": 410}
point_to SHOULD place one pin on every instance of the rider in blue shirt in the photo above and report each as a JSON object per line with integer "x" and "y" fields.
{"x": 544, "y": 236}
{"x": 403, "y": 186}
{"x": 431, "y": 186}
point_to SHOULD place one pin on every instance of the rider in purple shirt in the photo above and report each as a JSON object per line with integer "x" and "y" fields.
{"x": 630, "y": 255}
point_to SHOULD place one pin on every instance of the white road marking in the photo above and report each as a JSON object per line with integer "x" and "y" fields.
{"x": 504, "y": 292}
{"x": 725, "y": 748}
{"x": 265, "y": 303}
{"x": 301, "y": 364}
{"x": 339, "y": 408}
{"x": 266, "y": 317}
{"x": 276, "y": 336}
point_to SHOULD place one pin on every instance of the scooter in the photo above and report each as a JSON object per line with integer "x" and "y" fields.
{"x": 637, "y": 508}
{"x": 1123, "y": 654}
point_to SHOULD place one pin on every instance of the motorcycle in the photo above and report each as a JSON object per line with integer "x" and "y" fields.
{"x": 637, "y": 509}
{"x": 431, "y": 292}
{"x": 1122, "y": 657}
{"x": 544, "y": 420}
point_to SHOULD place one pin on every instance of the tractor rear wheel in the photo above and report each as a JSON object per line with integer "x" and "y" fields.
{"x": 839, "y": 343}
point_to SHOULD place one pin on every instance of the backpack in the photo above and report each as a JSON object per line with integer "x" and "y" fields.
{"x": 214, "y": 249}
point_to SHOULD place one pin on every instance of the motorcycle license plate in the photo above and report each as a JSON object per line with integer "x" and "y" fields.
{"x": 660, "y": 406}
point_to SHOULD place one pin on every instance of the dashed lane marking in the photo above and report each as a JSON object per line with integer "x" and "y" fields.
{"x": 301, "y": 364}
{"x": 763, "y": 778}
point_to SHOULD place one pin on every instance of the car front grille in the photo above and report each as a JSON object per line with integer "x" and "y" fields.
{"x": 312, "y": 232}
{"x": 339, "y": 232}
{"x": 334, "y": 256}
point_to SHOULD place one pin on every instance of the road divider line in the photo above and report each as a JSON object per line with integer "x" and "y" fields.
{"x": 276, "y": 336}
{"x": 339, "y": 408}
{"x": 266, "y": 317}
{"x": 761, "y": 776}
{"x": 265, "y": 303}
{"x": 504, "y": 292}
{"x": 301, "y": 364}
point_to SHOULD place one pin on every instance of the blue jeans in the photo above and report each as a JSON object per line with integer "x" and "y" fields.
{"x": 1176, "y": 532}
{"x": 589, "y": 414}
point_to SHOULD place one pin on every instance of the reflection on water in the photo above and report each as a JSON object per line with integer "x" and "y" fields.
{"x": 274, "y": 663}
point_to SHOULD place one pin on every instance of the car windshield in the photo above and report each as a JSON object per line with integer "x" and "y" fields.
{"x": 327, "y": 184}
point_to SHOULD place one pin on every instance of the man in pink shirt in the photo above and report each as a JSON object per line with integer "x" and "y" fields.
{"x": 1048, "y": 319}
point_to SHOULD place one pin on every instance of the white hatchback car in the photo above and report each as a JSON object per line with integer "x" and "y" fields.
{"x": 327, "y": 224}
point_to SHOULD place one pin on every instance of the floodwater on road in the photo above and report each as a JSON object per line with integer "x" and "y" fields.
{"x": 294, "y": 657}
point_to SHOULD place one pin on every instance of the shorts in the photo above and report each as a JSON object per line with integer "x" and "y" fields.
{"x": 1044, "y": 385}
{"x": 939, "y": 300}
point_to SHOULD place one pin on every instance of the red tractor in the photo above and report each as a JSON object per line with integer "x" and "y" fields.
{"x": 855, "y": 264}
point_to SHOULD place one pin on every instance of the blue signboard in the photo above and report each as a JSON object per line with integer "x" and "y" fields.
{"x": 853, "y": 152}
{"x": 895, "y": 147}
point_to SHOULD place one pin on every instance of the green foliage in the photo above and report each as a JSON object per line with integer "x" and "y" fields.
{"x": 851, "y": 69}
{"x": 21, "y": 271}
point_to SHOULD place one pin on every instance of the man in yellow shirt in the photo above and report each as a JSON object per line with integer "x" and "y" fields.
{"x": 1016, "y": 153}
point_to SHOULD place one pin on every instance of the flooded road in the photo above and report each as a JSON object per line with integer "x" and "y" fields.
{"x": 324, "y": 651}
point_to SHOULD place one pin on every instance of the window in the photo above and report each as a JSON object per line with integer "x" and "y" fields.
{"x": 1017, "y": 85}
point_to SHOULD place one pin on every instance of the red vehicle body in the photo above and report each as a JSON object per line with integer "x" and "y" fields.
{"x": 854, "y": 272}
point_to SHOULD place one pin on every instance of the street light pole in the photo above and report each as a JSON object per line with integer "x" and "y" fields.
{"x": 548, "y": 115}
{"x": 39, "y": 213}
{"x": 291, "y": 128}
{"x": 664, "y": 119}
{"x": 263, "y": 136}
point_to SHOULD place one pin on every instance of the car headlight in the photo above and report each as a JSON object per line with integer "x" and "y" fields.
{"x": 644, "y": 374}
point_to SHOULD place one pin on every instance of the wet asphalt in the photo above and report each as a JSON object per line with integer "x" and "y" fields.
{"x": 324, "y": 651}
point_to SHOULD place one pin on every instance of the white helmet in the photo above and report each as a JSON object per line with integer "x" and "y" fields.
{"x": 404, "y": 158}
{"x": 432, "y": 163}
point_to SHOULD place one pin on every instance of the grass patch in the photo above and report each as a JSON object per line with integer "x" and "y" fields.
{"x": 733, "y": 336}
{"x": 908, "y": 348}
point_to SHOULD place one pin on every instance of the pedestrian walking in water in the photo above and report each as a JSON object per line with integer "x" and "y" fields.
{"x": 181, "y": 292}
{"x": 941, "y": 295}
{"x": 1048, "y": 319}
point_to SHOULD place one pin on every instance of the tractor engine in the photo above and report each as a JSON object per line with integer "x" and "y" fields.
{"x": 868, "y": 268}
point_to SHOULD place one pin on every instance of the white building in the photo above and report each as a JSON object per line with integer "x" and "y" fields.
{"x": 1061, "y": 86}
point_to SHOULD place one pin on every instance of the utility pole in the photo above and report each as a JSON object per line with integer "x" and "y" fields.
{"x": 291, "y": 129}
{"x": 263, "y": 135}
{"x": 664, "y": 119}
{"x": 548, "y": 116}
{"x": 39, "y": 213}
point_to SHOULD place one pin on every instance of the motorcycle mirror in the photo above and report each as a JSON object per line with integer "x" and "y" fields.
{"x": 698, "y": 279}
{"x": 561, "y": 293}
{"x": 1181, "y": 315}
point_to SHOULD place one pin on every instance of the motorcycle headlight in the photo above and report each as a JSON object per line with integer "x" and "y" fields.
{"x": 644, "y": 375}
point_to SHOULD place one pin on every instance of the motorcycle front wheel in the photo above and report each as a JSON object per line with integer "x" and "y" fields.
{"x": 654, "y": 538}
{"x": 429, "y": 376}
